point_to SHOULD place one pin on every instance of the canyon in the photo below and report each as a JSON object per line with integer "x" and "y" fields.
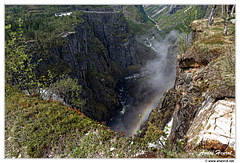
{"x": 137, "y": 81}
{"x": 124, "y": 78}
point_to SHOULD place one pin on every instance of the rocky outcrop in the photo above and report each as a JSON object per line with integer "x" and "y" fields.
{"x": 114, "y": 33}
{"x": 201, "y": 119}
{"x": 214, "y": 125}
{"x": 198, "y": 119}
{"x": 186, "y": 104}
{"x": 202, "y": 103}
{"x": 199, "y": 116}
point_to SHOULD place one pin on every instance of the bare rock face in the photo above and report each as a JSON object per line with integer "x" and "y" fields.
{"x": 214, "y": 125}
{"x": 114, "y": 33}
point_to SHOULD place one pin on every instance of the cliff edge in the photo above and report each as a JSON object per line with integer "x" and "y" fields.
{"x": 201, "y": 106}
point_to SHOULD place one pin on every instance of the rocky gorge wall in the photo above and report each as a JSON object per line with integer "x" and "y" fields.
{"x": 201, "y": 105}
{"x": 100, "y": 51}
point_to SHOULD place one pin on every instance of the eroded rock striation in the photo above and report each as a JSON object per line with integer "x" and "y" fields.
{"x": 215, "y": 122}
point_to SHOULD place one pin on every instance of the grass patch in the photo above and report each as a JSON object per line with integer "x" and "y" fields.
{"x": 215, "y": 39}
{"x": 98, "y": 74}
{"x": 210, "y": 43}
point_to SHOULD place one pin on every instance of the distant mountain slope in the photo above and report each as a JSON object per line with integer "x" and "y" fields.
{"x": 169, "y": 17}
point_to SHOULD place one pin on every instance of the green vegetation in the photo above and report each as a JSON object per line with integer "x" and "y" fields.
{"x": 142, "y": 15}
{"x": 38, "y": 128}
{"x": 136, "y": 28}
{"x": 69, "y": 90}
{"x": 167, "y": 149}
{"x": 32, "y": 32}
{"x": 41, "y": 24}
{"x": 20, "y": 71}
{"x": 214, "y": 47}
{"x": 151, "y": 9}
{"x": 18, "y": 66}
{"x": 139, "y": 29}
{"x": 184, "y": 41}
{"x": 153, "y": 134}
{"x": 136, "y": 13}
{"x": 137, "y": 19}
{"x": 168, "y": 22}
{"x": 98, "y": 74}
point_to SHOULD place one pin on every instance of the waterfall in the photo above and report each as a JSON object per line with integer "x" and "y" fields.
{"x": 158, "y": 75}
{"x": 155, "y": 78}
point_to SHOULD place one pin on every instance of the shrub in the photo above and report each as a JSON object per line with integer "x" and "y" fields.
{"x": 69, "y": 90}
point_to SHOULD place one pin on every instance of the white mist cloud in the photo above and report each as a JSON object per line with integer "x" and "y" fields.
{"x": 149, "y": 91}
{"x": 162, "y": 67}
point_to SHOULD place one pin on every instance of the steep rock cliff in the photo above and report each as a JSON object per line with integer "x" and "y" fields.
{"x": 98, "y": 53}
{"x": 202, "y": 103}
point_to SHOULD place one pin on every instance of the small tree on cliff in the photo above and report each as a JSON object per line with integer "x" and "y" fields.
{"x": 69, "y": 90}
{"x": 18, "y": 66}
